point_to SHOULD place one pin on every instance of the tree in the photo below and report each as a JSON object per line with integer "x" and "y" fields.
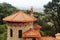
{"x": 5, "y": 10}
{"x": 53, "y": 9}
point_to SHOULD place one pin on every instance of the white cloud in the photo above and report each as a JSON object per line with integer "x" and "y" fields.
{"x": 27, "y": 3}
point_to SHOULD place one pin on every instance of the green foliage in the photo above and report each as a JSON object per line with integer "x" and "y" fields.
{"x": 36, "y": 14}
{"x": 26, "y": 11}
{"x": 52, "y": 9}
{"x": 5, "y": 10}
{"x": 42, "y": 33}
{"x": 1, "y": 37}
{"x": 2, "y": 29}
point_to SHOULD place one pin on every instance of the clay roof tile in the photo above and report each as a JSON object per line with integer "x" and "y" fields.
{"x": 19, "y": 17}
{"x": 31, "y": 33}
{"x": 48, "y": 38}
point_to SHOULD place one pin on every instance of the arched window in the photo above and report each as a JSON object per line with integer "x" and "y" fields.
{"x": 11, "y": 33}
{"x": 20, "y": 33}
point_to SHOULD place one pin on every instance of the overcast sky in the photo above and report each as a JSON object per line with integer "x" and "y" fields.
{"x": 27, "y": 3}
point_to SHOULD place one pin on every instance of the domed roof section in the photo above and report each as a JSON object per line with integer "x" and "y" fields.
{"x": 31, "y": 33}
{"x": 19, "y": 17}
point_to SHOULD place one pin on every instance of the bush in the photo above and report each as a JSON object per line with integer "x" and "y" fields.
{"x": 1, "y": 37}
{"x": 3, "y": 28}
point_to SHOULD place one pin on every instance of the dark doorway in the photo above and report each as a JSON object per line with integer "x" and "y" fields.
{"x": 34, "y": 39}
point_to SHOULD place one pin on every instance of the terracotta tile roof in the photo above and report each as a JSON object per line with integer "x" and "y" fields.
{"x": 48, "y": 38}
{"x": 36, "y": 26}
{"x": 19, "y": 17}
{"x": 31, "y": 33}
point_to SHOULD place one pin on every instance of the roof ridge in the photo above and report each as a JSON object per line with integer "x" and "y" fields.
{"x": 23, "y": 15}
{"x": 15, "y": 15}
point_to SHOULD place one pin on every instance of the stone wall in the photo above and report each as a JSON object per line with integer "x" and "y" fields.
{"x": 15, "y": 32}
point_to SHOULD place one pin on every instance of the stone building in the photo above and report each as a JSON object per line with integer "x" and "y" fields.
{"x": 21, "y": 27}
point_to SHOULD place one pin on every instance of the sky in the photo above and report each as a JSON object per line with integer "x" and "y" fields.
{"x": 38, "y": 4}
